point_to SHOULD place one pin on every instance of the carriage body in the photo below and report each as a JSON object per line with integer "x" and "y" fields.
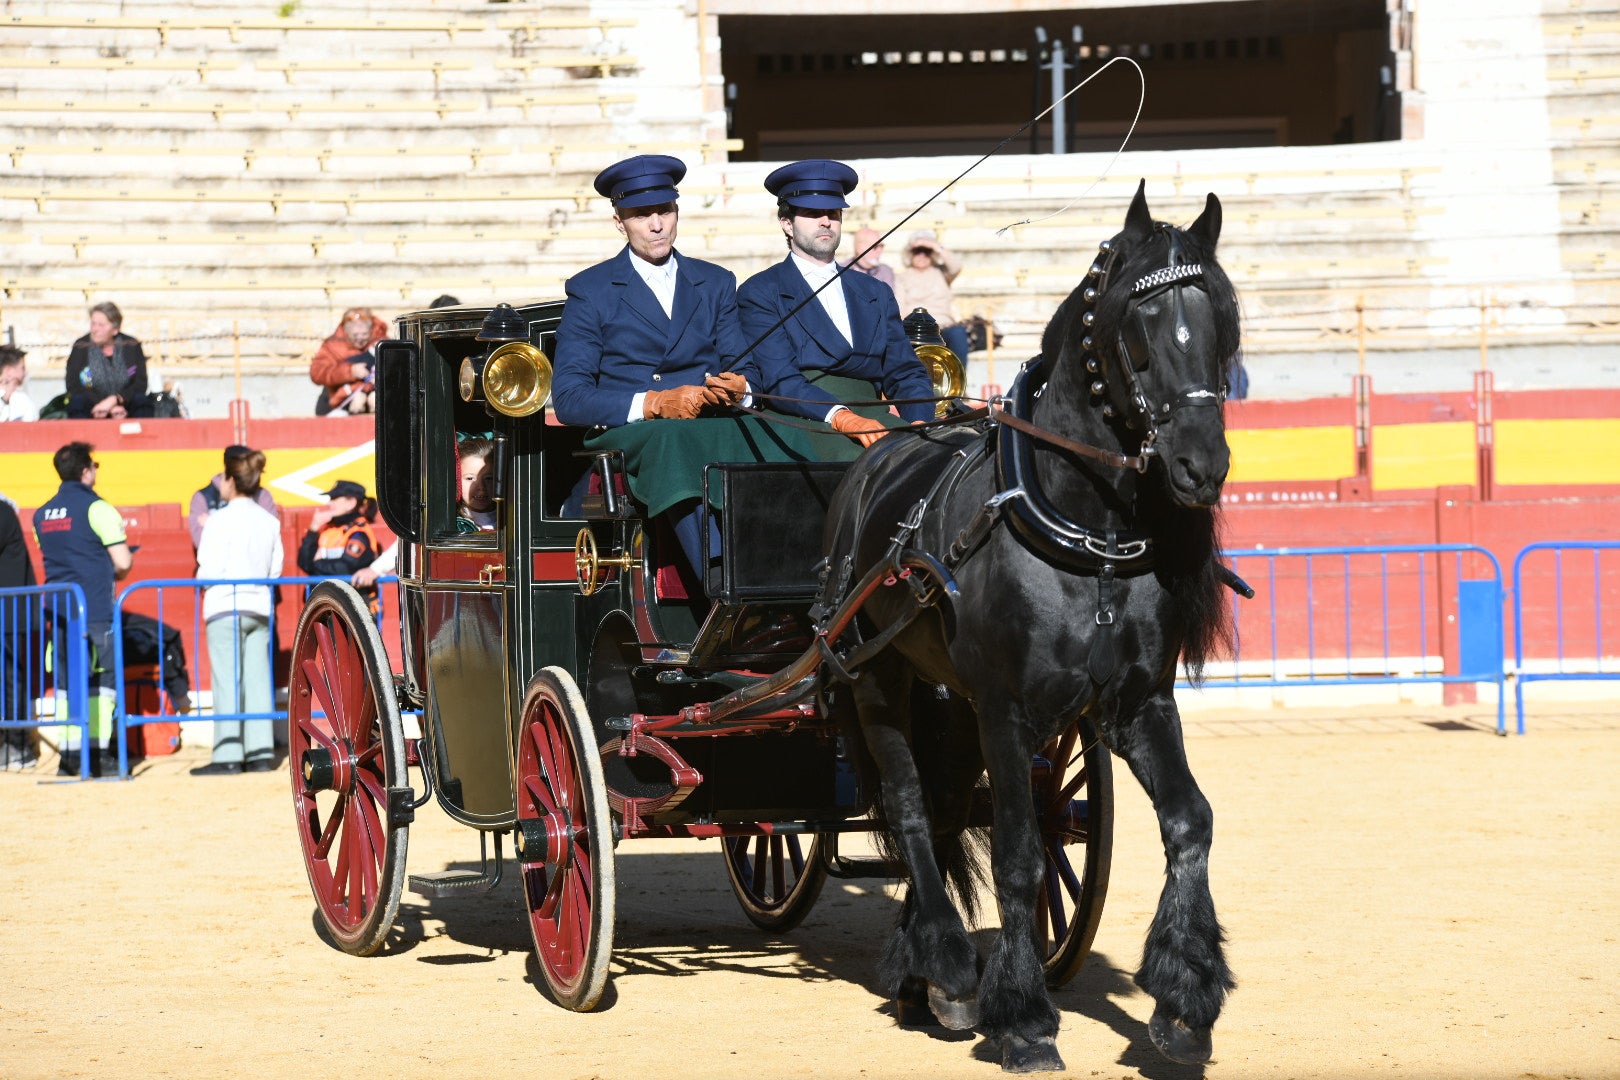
{"x": 482, "y": 612}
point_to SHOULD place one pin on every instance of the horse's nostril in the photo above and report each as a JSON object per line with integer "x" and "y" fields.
{"x": 1190, "y": 472}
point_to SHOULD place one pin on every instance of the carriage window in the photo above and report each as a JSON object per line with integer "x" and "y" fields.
{"x": 461, "y": 506}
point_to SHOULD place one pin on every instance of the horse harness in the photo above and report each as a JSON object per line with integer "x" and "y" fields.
{"x": 1019, "y": 498}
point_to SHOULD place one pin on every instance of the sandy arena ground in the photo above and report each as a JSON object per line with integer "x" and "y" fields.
{"x": 1405, "y": 893}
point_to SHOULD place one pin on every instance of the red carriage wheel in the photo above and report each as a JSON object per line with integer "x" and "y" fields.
{"x": 776, "y": 878}
{"x": 564, "y": 840}
{"x": 1074, "y": 798}
{"x": 347, "y": 753}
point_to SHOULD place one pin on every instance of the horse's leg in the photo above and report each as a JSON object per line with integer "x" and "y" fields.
{"x": 1013, "y": 1001}
{"x": 1183, "y": 965}
{"x": 930, "y": 946}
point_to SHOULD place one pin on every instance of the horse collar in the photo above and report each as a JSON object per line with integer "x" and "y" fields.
{"x": 1063, "y": 543}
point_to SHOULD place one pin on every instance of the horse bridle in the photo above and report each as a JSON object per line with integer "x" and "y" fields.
{"x": 1131, "y": 348}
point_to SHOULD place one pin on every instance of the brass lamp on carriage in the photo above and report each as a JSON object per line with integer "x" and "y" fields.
{"x": 512, "y": 377}
{"x": 945, "y": 368}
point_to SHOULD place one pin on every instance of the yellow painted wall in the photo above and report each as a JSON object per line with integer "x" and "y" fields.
{"x": 1405, "y": 456}
{"x": 138, "y": 477}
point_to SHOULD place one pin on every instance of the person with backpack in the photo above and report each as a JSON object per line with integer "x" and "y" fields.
{"x": 208, "y": 499}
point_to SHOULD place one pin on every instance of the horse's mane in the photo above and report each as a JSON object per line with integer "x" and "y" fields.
{"x": 1187, "y": 541}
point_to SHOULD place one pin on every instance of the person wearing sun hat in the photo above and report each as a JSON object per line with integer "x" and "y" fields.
{"x": 847, "y": 344}
{"x": 649, "y": 349}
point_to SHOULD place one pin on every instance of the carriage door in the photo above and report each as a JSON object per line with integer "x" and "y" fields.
{"x": 468, "y": 599}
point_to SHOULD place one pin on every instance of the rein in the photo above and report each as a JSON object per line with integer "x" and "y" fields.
{"x": 995, "y": 411}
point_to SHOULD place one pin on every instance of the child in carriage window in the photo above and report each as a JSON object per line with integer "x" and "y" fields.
{"x": 475, "y": 510}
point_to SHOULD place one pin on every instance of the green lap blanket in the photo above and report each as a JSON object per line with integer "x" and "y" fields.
{"x": 665, "y": 458}
{"x": 830, "y": 445}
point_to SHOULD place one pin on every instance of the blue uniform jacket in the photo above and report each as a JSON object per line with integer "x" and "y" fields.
{"x": 880, "y": 353}
{"x": 615, "y": 342}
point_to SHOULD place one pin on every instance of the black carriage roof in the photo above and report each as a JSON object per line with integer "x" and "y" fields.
{"x": 467, "y": 318}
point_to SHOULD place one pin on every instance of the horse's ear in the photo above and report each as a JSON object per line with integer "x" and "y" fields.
{"x": 1207, "y": 229}
{"x": 1138, "y": 219}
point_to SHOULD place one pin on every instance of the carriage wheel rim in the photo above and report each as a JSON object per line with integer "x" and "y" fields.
{"x": 345, "y": 847}
{"x": 557, "y": 888}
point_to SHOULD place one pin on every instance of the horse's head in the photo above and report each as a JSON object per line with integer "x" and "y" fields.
{"x": 1159, "y": 336}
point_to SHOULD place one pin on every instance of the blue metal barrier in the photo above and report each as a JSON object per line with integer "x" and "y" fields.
{"x": 196, "y": 586}
{"x": 44, "y": 643}
{"x": 1333, "y": 596}
{"x": 1593, "y": 667}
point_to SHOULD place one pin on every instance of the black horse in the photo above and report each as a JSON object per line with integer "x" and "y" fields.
{"x": 1081, "y": 531}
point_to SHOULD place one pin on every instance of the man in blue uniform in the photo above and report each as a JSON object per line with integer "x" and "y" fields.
{"x": 848, "y": 344}
{"x": 81, "y": 539}
{"x": 650, "y": 349}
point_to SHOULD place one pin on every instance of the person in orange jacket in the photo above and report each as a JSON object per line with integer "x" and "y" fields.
{"x": 340, "y": 539}
{"x": 345, "y": 361}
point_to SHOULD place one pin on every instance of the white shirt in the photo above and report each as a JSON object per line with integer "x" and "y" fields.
{"x": 832, "y": 299}
{"x": 19, "y": 407}
{"x": 240, "y": 540}
{"x": 660, "y": 278}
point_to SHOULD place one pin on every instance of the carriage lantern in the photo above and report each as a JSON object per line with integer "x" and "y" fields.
{"x": 512, "y": 377}
{"x": 945, "y": 369}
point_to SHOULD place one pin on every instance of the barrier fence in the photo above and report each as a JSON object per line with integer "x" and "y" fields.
{"x": 45, "y": 663}
{"x": 1323, "y": 616}
{"x": 1358, "y": 616}
{"x": 188, "y": 608}
{"x": 1570, "y": 576}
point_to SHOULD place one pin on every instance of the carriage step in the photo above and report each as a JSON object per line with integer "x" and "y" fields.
{"x": 451, "y": 882}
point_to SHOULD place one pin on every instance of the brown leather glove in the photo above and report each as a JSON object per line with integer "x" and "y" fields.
{"x": 676, "y": 403}
{"x": 864, "y": 431}
{"x": 728, "y": 387}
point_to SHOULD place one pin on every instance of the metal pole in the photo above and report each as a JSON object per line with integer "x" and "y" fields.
{"x": 1060, "y": 123}
{"x": 1361, "y": 335}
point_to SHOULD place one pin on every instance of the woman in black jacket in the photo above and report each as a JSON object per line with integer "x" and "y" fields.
{"x": 106, "y": 371}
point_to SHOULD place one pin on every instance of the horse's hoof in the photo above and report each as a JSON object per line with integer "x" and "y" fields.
{"x": 958, "y": 1015}
{"x": 1177, "y": 1041}
{"x": 1020, "y": 1055}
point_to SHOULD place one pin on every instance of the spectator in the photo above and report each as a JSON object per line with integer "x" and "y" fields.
{"x": 475, "y": 510}
{"x": 340, "y": 539}
{"x": 15, "y": 404}
{"x": 343, "y": 364}
{"x": 444, "y": 301}
{"x": 81, "y": 537}
{"x": 205, "y": 500}
{"x": 925, "y": 282}
{"x": 240, "y": 540}
{"x": 868, "y": 258}
{"x": 16, "y": 572}
{"x": 106, "y": 370}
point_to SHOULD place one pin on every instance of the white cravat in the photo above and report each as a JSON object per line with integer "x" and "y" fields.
{"x": 660, "y": 278}
{"x": 832, "y": 297}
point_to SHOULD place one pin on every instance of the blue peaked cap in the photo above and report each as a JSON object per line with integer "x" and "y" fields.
{"x": 644, "y": 180}
{"x": 816, "y": 184}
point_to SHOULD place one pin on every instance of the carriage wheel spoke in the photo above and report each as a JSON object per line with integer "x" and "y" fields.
{"x": 333, "y": 823}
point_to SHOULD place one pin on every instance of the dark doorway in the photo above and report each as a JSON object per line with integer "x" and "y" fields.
{"x": 1239, "y": 73}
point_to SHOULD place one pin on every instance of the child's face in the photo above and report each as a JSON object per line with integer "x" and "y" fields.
{"x": 475, "y": 484}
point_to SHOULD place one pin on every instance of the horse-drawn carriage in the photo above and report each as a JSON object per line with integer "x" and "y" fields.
{"x": 575, "y": 692}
